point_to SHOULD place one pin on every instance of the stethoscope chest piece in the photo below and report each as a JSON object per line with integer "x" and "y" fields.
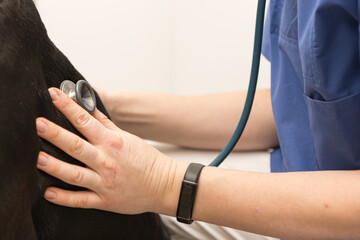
{"x": 81, "y": 92}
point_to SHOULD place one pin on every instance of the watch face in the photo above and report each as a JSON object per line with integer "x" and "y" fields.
{"x": 186, "y": 202}
{"x": 187, "y": 193}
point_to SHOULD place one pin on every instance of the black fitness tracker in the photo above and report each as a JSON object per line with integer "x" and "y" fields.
{"x": 188, "y": 192}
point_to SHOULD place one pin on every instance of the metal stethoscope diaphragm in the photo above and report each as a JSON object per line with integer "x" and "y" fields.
{"x": 81, "y": 92}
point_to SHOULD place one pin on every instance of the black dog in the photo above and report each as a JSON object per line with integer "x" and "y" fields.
{"x": 29, "y": 65}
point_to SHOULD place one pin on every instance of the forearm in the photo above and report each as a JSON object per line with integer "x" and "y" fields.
{"x": 311, "y": 205}
{"x": 205, "y": 122}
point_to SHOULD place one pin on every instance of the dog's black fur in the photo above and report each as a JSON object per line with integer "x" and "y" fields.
{"x": 29, "y": 65}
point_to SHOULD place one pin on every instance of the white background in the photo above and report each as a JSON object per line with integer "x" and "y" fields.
{"x": 173, "y": 46}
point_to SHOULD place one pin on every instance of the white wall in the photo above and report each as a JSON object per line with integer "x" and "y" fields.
{"x": 174, "y": 46}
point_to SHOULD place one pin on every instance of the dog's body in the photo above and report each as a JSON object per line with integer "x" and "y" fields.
{"x": 29, "y": 65}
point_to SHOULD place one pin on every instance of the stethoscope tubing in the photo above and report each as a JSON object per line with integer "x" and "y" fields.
{"x": 252, "y": 86}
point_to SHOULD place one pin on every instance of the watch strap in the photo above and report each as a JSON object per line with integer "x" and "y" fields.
{"x": 188, "y": 193}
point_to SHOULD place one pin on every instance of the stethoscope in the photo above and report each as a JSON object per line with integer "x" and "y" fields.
{"x": 84, "y": 95}
{"x": 81, "y": 92}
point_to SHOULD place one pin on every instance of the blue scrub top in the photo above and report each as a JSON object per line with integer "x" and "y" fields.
{"x": 313, "y": 46}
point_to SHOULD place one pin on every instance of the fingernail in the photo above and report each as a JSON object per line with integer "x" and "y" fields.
{"x": 54, "y": 95}
{"x": 50, "y": 195}
{"x": 41, "y": 126}
{"x": 42, "y": 161}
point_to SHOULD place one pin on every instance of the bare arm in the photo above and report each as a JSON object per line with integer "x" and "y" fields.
{"x": 308, "y": 205}
{"x": 205, "y": 122}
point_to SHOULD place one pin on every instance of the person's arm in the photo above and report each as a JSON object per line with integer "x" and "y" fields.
{"x": 125, "y": 175}
{"x": 307, "y": 205}
{"x": 205, "y": 122}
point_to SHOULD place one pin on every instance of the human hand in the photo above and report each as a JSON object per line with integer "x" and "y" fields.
{"x": 124, "y": 174}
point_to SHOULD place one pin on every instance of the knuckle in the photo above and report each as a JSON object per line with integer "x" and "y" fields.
{"x": 82, "y": 119}
{"x": 106, "y": 204}
{"x": 110, "y": 175}
{"x": 116, "y": 142}
{"x": 109, "y": 182}
{"x": 64, "y": 102}
{"x": 81, "y": 202}
{"x": 55, "y": 169}
{"x": 103, "y": 118}
{"x": 55, "y": 132}
{"x": 108, "y": 163}
{"x": 78, "y": 176}
{"x": 77, "y": 147}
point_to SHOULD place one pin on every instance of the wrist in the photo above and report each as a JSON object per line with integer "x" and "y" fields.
{"x": 169, "y": 198}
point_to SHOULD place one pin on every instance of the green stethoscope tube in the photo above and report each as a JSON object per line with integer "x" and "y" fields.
{"x": 252, "y": 86}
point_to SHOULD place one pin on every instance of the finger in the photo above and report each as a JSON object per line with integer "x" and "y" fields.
{"x": 71, "y": 174}
{"x": 79, "y": 199}
{"x": 87, "y": 125}
{"x": 70, "y": 143}
{"x": 104, "y": 120}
